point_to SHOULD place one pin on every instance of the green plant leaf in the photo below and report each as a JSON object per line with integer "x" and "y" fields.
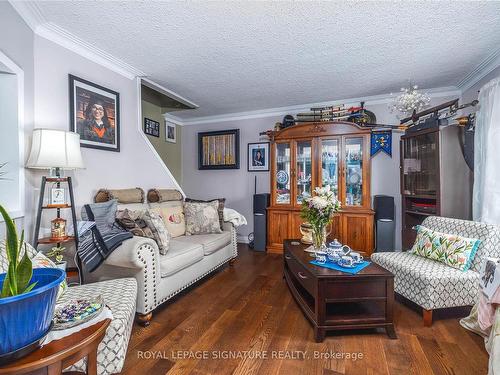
{"x": 6, "y": 286}
{"x": 11, "y": 240}
{"x": 11, "y": 274}
{"x": 24, "y": 272}
{"x": 30, "y": 287}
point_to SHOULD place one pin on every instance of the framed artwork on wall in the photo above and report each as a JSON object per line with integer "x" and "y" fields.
{"x": 151, "y": 127}
{"x": 219, "y": 149}
{"x": 258, "y": 157}
{"x": 170, "y": 132}
{"x": 94, "y": 114}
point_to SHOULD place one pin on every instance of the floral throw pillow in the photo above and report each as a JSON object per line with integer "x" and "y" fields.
{"x": 452, "y": 250}
{"x": 160, "y": 232}
{"x": 202, "y": 218}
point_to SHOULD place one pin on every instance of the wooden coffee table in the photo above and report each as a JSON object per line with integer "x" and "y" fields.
{"x": 334, "y": 300}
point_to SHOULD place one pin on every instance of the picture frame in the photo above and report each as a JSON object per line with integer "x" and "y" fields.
{"x": 151, "y": 127}
{"x": 170, "y": 132}
{"x": 258, "y": 157}
{"x": 219, "y": 149}
{"x": 94, "y": 114}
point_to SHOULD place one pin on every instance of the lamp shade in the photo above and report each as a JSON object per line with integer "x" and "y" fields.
{"x": 51, "y": 148}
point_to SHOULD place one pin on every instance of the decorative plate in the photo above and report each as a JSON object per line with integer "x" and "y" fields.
{"x": 282, "y": 177}
{"x": 75, "y": 312}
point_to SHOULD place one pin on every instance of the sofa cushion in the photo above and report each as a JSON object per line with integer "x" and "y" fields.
{"x": 210, "y": 242}
{"x": 160, "y": 233}
{"x": 180, "y": 255}
{"x": 428, "y": 283}
{"x": 202, "y": 217}
{"x": 451, "y": 249}
{"x": 172, "y": 214}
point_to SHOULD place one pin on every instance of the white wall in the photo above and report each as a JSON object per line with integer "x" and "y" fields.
{"x": 237, "y": 186}
{"x": 16, "y": 42}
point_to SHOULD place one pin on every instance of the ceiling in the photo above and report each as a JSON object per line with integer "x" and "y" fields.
{"x": 246, "y": 56}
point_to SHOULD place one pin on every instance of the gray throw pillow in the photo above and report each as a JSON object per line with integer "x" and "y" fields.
{"x": 104, "y": 213}
{"x": 202, "y": 218}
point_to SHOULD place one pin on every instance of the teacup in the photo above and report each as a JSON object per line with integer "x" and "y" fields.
{"x": 346, "y": 261}
{"x": 335, "y": 253}
{"x": 321, "y": 256}
{"x": 357, "y": 257}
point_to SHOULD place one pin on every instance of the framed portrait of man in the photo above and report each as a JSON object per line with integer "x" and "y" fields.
{"x": 258, "y": 157}
{"x": 94, "y": 114}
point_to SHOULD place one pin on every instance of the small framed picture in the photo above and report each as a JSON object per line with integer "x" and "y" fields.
{"x": 170, "y": 132}
{"x": 151, "y": 127}
{"x": 258, "y": 157}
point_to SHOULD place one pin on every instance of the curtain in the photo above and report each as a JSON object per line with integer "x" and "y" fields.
{"x": 486, "y": 190}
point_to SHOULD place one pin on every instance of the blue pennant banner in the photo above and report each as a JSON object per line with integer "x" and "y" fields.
{"x": 381, "y": 141}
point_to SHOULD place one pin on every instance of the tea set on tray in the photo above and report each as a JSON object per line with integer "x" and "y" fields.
{"x": 340, "y": 254}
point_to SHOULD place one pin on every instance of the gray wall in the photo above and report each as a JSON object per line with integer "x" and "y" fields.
{"x": 17, "y": 42}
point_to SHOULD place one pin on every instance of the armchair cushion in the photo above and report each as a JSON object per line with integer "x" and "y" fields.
{"x": 428, "y": 283}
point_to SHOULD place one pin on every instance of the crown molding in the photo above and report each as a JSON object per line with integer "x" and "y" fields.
{"x": 484, "y": 68}
{"x": 33, "y": 16}
{"x": 173, "y": 119}
{"x": 281, "y": 111}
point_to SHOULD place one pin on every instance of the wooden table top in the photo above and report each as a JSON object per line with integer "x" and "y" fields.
{"x": 57, "y": 350}
{"x": 304, "y": 258}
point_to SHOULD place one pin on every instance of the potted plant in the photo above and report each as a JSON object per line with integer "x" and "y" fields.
{"x": 27, "y": 298}
{"x": 57, "y": 253}
{"x": 318, "y": 211}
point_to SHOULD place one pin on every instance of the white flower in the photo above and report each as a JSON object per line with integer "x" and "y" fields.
{"x": 319, "y": 202}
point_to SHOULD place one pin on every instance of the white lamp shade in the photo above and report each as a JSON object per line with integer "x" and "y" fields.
{"x": 52, "y": 148}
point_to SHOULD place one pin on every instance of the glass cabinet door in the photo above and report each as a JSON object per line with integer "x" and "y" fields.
{"x": 303, "y": 170}
{"x": 420, "y": 169}
{"x": 283, "y": 160}
{"x": 330, "y": 164}
{"x": 354, "y": 171}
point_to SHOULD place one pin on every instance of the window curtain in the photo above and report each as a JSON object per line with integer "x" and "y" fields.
{"x": 486, "y": 190}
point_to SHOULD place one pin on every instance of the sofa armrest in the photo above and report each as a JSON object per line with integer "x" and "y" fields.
{"x": 229, "y": 227}
{"x": 134, "y": 253}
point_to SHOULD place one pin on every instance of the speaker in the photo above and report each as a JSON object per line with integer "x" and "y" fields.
{"x": 260, "y": 203}
{"x": 384, "y": 207}
{"x": 385, "y": 226}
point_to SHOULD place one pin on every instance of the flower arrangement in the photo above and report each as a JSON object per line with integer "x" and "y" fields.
{"x": 318, "y": 211}
{"x": 410, "y": 100}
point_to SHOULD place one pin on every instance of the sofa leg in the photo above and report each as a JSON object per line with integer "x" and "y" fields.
{"x": 231, "y": 262}
{"x": 144, "y": 319}
{"x": 427, "y": 314}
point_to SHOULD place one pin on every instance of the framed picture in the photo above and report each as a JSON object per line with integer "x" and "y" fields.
{"x": 170, "y": 132}
{"x": 258, "y": 157}
{"x": 219, "y": 149}
{"x": 151, "y": 127}
{"x": 94, "y": 114}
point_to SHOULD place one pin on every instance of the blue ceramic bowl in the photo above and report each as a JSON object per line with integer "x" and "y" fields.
{"x": 26, "y": 318}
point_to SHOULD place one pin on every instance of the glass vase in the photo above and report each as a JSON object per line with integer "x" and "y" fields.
{"x": 319, "y": 238}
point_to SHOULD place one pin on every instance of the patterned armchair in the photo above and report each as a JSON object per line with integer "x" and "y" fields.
{"x": 434, "y": 285}
{"x": 113, "y": 348}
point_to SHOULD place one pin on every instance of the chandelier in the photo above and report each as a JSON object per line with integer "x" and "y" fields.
{"x": 409, "y": 100}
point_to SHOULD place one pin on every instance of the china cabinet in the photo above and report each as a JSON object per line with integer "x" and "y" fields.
{"x": 309, "y": 155}
{"x": 435, "y": 179}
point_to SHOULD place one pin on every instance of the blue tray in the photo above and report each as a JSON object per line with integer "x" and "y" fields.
{"x": 334, "y": 266}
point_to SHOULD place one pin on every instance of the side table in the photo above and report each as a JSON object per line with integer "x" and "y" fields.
{"x": 60, "y": 354}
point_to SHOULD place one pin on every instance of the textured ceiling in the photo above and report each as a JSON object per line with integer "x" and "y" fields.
{"x": 233, "y": 57}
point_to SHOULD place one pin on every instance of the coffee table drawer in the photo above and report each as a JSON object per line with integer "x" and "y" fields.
{"x": 298, "y": 272}
{"x": 355, "y": 289}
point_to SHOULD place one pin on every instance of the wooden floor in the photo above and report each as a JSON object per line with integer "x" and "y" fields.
{"x": 246, "y": 311}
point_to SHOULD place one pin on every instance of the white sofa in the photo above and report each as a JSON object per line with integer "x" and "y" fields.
{"x": 434, "y": 285}
{"x": 160, "y": 277}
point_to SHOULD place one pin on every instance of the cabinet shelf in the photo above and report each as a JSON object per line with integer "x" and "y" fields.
{"x": 52, "y": 206}
{"x": 50, "y": 240}
{"x": 411, "y": 212}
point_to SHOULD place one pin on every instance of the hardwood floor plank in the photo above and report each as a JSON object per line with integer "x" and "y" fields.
{"x": 248, "y": 308}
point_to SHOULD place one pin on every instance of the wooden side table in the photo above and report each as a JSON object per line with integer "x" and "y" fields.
{"x": 59, "y": 354}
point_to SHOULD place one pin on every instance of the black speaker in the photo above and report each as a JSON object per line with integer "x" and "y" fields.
{"x": 260, "y": 203}
{"x": 385, "y": 226}
{"x": 384, "y": 207}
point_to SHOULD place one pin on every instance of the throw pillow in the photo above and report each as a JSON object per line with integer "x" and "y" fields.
{"x": 172, "y": 214}
{"x": 158, "y": 229}
{"x": 133, "y": 222}
{"x": 104, "y": 213}
{"x": 41, "y": 261}
{"x": 452, "y": 250}
{"x": 202, "y": 218}
{"x": 220, "y": 209}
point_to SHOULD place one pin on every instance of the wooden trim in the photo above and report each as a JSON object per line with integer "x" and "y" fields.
{"x": 427, "y": 315}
